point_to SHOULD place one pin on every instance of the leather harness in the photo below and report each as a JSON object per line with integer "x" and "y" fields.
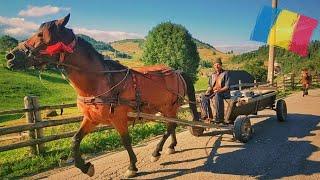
{"x": 113, "y": 99}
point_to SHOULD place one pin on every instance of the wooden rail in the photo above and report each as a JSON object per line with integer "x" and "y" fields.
{"x": 291, "y": 81}
{"x": 17, "y": 111}
{"x": 43, "y": 124}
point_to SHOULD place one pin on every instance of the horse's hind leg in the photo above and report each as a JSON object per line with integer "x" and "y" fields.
{"x": 85, "y": 128}
{"x": 126, "y": 141}
{"x": 170, "y": 130}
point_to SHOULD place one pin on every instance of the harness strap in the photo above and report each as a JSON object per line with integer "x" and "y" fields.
{"x": 138, "y": 98}
{"x": 106, "y": 100}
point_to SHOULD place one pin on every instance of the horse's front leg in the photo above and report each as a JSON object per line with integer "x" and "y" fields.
{"x": 171, "y": 127}
{"x": 132, "y": 169}
{"x": 173, "y": 144}
{"x": 85, "y": 128}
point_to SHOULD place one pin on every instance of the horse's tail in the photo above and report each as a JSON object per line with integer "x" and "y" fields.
{"x": 191, "y": 96}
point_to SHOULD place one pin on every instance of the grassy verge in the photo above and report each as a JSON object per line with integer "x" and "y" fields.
{"x": 18, "y": 163}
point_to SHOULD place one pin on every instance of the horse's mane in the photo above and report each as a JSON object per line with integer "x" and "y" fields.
{"x": 93, "y": 53}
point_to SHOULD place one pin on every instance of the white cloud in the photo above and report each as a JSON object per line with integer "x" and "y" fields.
{"x": 15, "y": 31}
{"x": 18, "y": 22}
{"x": 36, "y": 11}
{"x": 17, "y": 26}
{"x": 107, "y": 36}
{"x": 237, "y": 47}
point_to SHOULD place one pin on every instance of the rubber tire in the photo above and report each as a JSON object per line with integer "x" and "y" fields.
{"x": 238, "y": 129}
{"x": 196, "y": 131}
{"x": 281, "y": 110}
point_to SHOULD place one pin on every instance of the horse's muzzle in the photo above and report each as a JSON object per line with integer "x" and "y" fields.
{"x": 10, "y": 57}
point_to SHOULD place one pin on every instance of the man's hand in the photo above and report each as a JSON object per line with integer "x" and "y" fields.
{"x": 209, "y": 91}
{"x": 217, "y": 90}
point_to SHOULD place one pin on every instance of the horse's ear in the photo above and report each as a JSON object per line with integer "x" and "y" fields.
{"x": 62, "y": 22}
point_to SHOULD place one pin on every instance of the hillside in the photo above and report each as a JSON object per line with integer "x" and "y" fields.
{"x": 134, "y": 47}
{"x": 288, "y": 61}
{"x": 51, "y": 88}
{"x": 105, "y": 49}
{"x": 98, "y": 45}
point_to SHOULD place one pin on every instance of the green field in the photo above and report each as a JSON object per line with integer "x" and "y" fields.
{"x": 50, "y": 87}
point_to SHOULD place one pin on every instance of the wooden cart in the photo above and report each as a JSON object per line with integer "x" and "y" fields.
{"x": 237, "y": 110}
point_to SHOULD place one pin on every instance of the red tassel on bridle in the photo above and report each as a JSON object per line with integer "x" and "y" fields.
{"x": 59, "y": 48}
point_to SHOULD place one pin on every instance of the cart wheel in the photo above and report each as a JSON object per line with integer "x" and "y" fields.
{"x": 242, "y": 128}
{"x": 196, "y": 131}
{"x": 281, "y": 110}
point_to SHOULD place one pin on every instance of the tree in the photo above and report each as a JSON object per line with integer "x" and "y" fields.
{"x": 171, "y": 44}
{"x": 256, "y": 68}
{"x": 7, "y": 43}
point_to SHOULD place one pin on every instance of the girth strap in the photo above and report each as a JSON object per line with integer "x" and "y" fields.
{"x": 112, "y": 101}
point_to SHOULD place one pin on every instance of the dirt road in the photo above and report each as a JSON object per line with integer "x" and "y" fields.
{"x": 277, "y": 150}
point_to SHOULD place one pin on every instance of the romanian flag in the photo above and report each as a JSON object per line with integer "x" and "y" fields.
{"x": 285, "y": 29}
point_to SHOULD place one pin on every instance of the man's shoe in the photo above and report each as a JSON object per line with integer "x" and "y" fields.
{"x": 204, "y": 117}
{"x": 218, "y": 121}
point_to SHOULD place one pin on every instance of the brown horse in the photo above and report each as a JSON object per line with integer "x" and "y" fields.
{"x": 305, "y": 81}
{"x": 106, "y": 90}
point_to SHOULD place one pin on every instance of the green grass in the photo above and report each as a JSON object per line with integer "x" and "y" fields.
{"x": 201, "y": 84}
{"x": 18, "y": 163}
{"x": 51, "y": 89}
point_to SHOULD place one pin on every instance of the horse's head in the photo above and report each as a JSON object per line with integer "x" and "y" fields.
{"x": 43, "y": 47}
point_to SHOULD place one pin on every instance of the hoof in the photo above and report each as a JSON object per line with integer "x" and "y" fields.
{"x": 90, "y": 170}
{"x": 130, "y": 174}
{"x": 154, "y": 159}
{"x": 171, "y": 151}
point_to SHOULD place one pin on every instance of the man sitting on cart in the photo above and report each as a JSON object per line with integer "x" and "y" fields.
{"x": 218, "y": 90}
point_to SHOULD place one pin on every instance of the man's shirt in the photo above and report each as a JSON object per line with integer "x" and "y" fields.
{"x": 221, "y": 79}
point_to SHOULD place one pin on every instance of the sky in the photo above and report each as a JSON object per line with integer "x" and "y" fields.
{"x": 225, "y": 24}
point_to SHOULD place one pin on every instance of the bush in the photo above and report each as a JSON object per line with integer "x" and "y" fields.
{"x": 205, "y": 64}
{"x": 7, "y": 43}
{"x": 119, "y": 54}
{"x": 256, "y": 68}
{"x": 171, "y": 44}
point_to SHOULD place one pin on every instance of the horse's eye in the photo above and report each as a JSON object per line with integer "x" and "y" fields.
{"x": 40, "y": 34}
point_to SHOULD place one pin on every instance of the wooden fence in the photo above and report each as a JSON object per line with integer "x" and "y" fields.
{"x": 34, "y": 123}
{"x": 292, "y": 81}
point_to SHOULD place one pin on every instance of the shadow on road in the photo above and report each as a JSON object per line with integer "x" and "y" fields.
{"x": 276, "y": 150}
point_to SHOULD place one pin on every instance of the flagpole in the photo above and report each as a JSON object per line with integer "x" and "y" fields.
{"x": 272, "y": 52}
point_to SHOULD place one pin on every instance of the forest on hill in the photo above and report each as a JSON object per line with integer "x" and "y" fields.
{"x": 255, "y": 62}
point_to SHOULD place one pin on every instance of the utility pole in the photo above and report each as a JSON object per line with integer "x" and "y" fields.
{"x": 272, "y": 51}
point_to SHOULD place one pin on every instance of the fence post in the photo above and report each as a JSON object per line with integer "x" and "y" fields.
{"x": 37, "y": 118}
{"x": 292, "y": 81}
{"x": 28, "y": 104}
{"x": 284, "y": 82}
{"x": 255, "y": 83}
{"x": 240, "y": 88}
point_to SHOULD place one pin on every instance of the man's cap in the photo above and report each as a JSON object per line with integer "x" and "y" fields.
{"x": 217, "y": 60}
